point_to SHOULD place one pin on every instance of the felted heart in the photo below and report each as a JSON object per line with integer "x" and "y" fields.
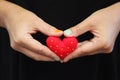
{"x": 62, "y": 48}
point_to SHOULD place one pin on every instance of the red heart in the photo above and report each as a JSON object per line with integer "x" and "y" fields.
{"x": 62, "y": 48}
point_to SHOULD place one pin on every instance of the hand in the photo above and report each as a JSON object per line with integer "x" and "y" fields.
{"x": 104, "y": 24}
{"x": 20, "y": 25}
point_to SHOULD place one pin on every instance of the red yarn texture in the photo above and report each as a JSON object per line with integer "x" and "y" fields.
{"x": 62, "y": 48}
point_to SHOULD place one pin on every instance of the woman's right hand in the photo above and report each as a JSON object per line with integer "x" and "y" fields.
{"x": 20, "y": 24}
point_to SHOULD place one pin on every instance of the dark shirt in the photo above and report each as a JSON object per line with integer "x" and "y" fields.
{"x": 62, "y": 14}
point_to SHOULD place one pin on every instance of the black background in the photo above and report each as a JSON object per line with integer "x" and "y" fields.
{"x": 61, "y": 14}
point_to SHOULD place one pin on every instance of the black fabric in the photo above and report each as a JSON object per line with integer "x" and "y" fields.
{"x": 61, "y": 14}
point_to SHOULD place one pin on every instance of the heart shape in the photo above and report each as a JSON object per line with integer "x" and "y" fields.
{"x": 62, "y": 48}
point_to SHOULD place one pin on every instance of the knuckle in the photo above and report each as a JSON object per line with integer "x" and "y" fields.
{"x": 18, "y": 40}
{"x": 107, "y": 47}
{"x": 83, "y": 52}
{"x": 14, "y": 46}
{"x": 77, "y": 31}
{"x": 40, "y": 50}
{"x": 37, "y": 58}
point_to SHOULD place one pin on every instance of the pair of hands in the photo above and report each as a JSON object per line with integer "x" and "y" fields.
{"x": 104, "y": 24}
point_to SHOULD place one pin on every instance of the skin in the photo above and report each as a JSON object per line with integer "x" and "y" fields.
{"x": 20, "y": 24}
{"x": 104, "y": 24}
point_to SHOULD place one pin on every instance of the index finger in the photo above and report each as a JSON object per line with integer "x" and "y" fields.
{"x": 29, "y": 43}
{"x": 88, "y": 48}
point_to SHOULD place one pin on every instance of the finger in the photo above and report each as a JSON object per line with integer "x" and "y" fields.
{"x": 78, "y": 29}
{"x": 35, "y": 46}
{"x": 48, "y": 29}
{"x": 87, "y": 48}
{"x": 34, "y": 55}
{"x": 82, "y": 43}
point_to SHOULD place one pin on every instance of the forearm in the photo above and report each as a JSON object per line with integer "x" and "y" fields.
{"x": 117, "y": 9}
{"x": 7, "y": 9}
{"x": 1, "y": 21}
{"x": 114, "y": 11}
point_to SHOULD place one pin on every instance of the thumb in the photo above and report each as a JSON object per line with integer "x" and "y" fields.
{"x": 79, "y": 29}
{"x": 49, "y": 30}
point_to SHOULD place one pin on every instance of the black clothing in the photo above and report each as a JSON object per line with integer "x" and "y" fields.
{"x": 61, "y": 14}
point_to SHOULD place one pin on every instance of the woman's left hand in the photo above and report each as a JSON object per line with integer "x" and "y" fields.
{"x": 104, "y": 24}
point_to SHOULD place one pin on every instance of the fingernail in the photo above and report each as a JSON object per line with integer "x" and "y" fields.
{"x": 56, "y": 59}
{"x": 62, "y": 61}
{"x": 68, "y": 32}
{"x": 57, "y": 31}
